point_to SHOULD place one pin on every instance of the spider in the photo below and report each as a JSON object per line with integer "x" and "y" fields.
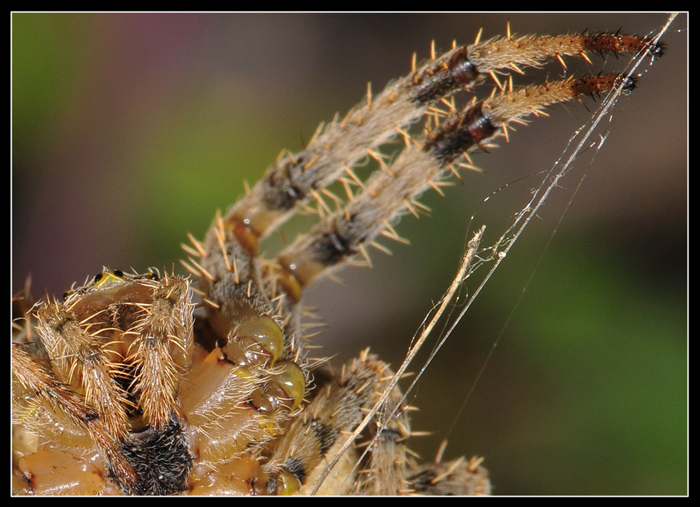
{"x": 230, "y": 401}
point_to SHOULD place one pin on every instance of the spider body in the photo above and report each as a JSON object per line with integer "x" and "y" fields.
{"x": 128, "y": 390}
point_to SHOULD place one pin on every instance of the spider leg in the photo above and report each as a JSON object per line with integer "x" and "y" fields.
{"x": 41, "y": 402}
{"x": 457, "y": 477}
{"x": 83, "y": 365}
{"x": 116, "y": 338}
{"x": 226, "y": 262}
{"x": 425, "y": 163}
{"x": 336, "y": 148}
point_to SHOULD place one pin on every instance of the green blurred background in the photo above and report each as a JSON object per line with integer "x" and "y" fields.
{"x": 129, "y": 130}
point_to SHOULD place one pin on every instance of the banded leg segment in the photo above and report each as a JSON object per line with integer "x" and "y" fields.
{"x": 337, "y": 147}
{"x": 424, "y": 164}
{"x": 228, "y": 271}
{"x": 467, "y": 66}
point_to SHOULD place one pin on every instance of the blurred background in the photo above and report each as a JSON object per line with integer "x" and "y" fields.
{"x": 130, "y": 130}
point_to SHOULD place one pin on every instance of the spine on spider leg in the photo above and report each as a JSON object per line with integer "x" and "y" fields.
{"x": 335, "y": 149}
{"x": 424, "y": 164}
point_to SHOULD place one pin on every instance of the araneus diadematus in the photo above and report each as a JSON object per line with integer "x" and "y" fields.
{"x": 128, "y": 397}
